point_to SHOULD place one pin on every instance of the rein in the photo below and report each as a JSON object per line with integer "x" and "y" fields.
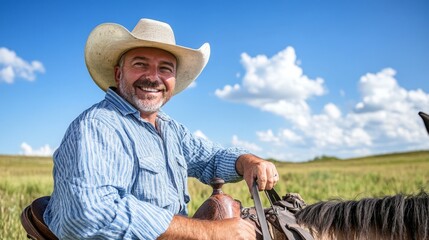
{"x": 280, "y": 214}
{"x": 260, "y": 212}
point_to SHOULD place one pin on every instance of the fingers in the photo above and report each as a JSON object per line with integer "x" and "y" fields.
{"x": 265, "y": 174}
{"x": 267, "y": 177}
{"x": 253, "y": 167}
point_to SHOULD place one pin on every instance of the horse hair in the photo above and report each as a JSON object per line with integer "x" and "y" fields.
{"x": 391, "y": 217}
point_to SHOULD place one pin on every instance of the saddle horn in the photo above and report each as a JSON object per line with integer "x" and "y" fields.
{"x": 425, "y": 118}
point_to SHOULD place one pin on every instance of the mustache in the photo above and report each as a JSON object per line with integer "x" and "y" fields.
{"x": 146, "y": 83}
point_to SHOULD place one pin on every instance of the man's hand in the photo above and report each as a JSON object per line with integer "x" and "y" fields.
{"x": 252, "y": 167}
{"x": 190, "y": 228}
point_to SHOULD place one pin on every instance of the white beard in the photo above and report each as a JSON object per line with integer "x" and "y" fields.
{"x": 143, "y": 105}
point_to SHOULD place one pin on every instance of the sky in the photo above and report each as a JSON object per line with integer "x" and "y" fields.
{"x": 290, "y": 80}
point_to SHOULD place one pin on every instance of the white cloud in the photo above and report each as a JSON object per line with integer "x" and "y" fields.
{"x": 200, "y": 134}
{"x": 246, "y": 145}
{"x": 283, "y": 136}
{"x": 332, "y": 111}
{"x": 268, "y": 136}
{"x": 27, "y": 150}
{"x": 269, "y": 80}
{"x": 384, "y": 119}
{"x": 12, "y": 66}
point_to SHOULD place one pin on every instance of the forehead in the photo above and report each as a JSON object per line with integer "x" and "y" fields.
{"x": 150, "y": 54}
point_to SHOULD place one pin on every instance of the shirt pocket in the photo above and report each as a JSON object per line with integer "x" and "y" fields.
{"x": 151, "y": 182}
{"x": 183, "y": 172}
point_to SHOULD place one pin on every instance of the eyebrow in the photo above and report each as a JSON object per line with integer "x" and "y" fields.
{"x": 147, "y": 59}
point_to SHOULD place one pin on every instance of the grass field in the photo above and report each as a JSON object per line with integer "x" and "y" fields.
{"x": 23, "y": 179}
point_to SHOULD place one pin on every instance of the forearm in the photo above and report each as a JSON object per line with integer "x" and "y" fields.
{"x": 208, "y": 160}
{"x": 189, "y": 228}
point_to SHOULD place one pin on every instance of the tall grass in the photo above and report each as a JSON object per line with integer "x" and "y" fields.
{"x": 22, "y": 179}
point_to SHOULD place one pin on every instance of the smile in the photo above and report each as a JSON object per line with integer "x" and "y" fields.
{"x": 152, "y": 90}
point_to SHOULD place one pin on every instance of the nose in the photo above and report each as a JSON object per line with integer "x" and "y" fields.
{"x": 152, "y": 74}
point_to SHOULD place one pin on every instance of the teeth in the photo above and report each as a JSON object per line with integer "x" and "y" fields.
{"x": 149, "y": 89}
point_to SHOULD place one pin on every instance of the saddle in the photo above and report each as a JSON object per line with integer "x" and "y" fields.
{"x": 32, "y": 220}
{"x": 276, "y": 222}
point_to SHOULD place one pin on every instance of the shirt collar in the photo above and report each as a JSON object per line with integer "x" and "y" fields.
{"x": 125, "y": 108}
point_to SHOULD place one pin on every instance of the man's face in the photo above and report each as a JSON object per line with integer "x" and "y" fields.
{"x": 146, "y": 78}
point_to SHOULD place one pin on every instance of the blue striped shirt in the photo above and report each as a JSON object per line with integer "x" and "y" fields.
{"x": 118, "y": 177}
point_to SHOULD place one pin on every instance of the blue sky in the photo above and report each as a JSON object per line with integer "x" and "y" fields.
{"x": 286, "y": 79}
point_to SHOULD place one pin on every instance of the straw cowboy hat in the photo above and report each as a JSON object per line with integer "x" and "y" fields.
{"x": 107, "y": 42}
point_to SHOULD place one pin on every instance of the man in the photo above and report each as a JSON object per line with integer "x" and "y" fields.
{"x": 121, "y": 170}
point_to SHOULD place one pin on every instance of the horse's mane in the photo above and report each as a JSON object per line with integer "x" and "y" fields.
{"x": 392, "y": 217}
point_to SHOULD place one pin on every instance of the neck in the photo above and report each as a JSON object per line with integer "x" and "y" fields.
{"x": 150, "y": 117}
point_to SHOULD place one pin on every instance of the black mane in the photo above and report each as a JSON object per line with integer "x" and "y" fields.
{"x": 392, "y": 217}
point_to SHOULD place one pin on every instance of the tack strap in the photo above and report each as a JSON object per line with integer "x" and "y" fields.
{"x": 260, "y": 212}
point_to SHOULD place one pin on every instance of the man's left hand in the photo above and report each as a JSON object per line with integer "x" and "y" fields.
{"x": 252, "y": 167}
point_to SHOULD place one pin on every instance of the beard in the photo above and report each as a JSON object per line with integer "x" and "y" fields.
{"x": 146, "y": 104}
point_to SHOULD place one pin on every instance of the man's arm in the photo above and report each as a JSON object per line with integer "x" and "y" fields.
{"x": 90, "y": 199}
{"x": 189, "y": 228}
{"x": 252, "y": 167}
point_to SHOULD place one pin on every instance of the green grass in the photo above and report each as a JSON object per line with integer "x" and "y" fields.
{"x": 22, "y": 179}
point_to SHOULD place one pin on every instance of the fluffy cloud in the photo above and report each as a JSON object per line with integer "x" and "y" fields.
{"x": 12, "y": 66}
{"x": 384, "y": 119}
{"x": 282, "y": 137}
{"x": 269, "y": 81}
{"x": 243, "y": 144}
{"x": 388, "y": 111}
{"x": 27, "y": 150}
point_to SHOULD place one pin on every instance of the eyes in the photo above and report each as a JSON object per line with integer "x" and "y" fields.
{"x": 166, "y": 68}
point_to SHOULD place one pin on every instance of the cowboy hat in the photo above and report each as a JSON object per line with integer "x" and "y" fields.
{"x": 108, "y": 41}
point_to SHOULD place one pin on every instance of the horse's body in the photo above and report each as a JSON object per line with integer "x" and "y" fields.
{"x": 393, "y": 217}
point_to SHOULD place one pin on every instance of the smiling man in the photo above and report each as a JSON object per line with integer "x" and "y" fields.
{"x": 146, "y": 78}
{"x": 122, "y": 167}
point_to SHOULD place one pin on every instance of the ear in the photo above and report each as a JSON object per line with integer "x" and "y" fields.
{"x": 118, "y": 74}
{"x": 425, "y": 118}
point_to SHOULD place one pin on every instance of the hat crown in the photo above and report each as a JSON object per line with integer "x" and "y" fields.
{"x": 156, "y": 31}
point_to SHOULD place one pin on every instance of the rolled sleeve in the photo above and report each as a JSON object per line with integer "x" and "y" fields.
{"x": 207, "y": 160}
{"x": 226, "y": 164}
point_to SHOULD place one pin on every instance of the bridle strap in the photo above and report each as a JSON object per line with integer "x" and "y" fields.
{"x": 260, "y": 212}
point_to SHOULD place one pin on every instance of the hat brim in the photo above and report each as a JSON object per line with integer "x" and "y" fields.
{"x": 107, "y": 42}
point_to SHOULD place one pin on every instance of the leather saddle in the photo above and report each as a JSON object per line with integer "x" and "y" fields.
{"x": 275, "y": 222}
{"x": 32, "y": 220}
